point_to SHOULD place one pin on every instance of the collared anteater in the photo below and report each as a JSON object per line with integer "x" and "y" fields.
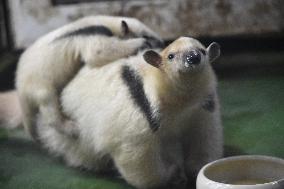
{"x": 155, "y": 115}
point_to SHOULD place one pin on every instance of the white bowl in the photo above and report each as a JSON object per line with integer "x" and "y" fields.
{"x": 242, "y": 172}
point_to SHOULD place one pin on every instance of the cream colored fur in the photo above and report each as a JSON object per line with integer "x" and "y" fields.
{"x": 51, "y": 62}
{"x": 111, "y": 126}
{"x": 10, "y": 110}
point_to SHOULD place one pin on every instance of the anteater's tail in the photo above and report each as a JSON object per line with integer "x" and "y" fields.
{"x": 10, "y": 110}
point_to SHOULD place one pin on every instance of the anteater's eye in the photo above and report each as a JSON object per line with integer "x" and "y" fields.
{"x": 171, "y": 56}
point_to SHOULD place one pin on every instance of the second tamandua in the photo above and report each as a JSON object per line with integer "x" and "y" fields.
{"x": 46, "y": 66}
{"x": 155, "y": 115}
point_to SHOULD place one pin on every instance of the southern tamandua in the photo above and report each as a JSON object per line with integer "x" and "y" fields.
{"x": 54, "y": 59}
{"x": 155, "y": 115}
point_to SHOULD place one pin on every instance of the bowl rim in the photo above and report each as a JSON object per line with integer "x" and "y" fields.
{"x": 201, "y": 174}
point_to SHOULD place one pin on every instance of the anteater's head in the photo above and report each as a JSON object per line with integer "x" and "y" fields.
{"x": 184, "y": 57}
{"x": 132, "y": 28}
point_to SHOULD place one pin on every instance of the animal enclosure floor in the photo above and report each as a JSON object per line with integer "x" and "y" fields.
{"x": 253, "y": 119}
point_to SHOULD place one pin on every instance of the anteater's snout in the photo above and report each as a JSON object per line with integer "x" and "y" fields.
{"x": 192, "y": 58}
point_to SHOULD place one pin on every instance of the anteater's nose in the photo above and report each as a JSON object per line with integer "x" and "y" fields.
{"x": 192, "y": 58}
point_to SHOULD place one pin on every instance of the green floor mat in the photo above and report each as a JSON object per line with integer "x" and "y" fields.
{"x": 253, "y": 114}
{"x": 23, "y": 164}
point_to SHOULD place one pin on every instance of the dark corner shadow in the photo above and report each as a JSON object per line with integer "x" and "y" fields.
{"x": 21, "y": 146}
{"x": 111, "y": 172}
{"x": 233, "y": 151}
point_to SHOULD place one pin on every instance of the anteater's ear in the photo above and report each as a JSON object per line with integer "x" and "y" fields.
{"x": 153, "y": 58}
{"x": 124, "y": 28}
{"x": 213, "y": 51}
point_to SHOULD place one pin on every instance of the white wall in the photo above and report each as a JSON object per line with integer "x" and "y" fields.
{"x": 171, "y": 18}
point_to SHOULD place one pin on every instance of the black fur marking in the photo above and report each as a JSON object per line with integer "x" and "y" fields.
{"x": 136, "y": 89}
{"x": 209, "y": 103}
{"x": 90, "y": 30}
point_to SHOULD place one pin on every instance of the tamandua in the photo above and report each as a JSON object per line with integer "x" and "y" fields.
{"x": 155, "y": 115}
{"x": 54, "y": 59}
